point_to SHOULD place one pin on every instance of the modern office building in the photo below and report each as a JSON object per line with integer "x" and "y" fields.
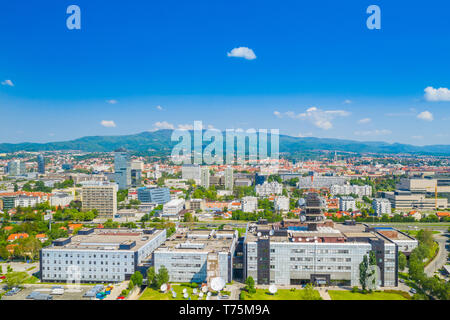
{"x": 16, "y": 168}
{"x": 259, "y": 179}
{"x": 122, "y": 168}
{"x": 381, "y": 206}
{"x": 136, "y": 177}
{"x": 347, "y": 203}
{"x": 281, "y": 203}
{"x": 347, "y": 189}
{"x": 172, "y": 208}
{"x": 408, "y": 200}
{"x": 101, "y": 196}
{"x": 269, "y": 188}
{"x": 41, "y": 164}
{"x": 61, "y": 199}
{"x": 249, "y": 204}
{"x": 198, "y": 255}
{"x": 204, "y": 177}
{"x": 229, "y": 179}
{"x": 26, "y": 201}
{"x": 316, "y": 250}
{"x": 190, "y": 172}
{"x": 98, "y": 255}
{"x": 153, "y": 195}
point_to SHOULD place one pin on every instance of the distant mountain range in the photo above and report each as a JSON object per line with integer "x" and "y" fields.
{"x": 159, "y": 142}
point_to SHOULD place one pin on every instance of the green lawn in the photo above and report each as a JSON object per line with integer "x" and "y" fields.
{"x": 413, "y": 233}
{"x": 151, "y": 294}
{"x": 282, "y": 294}
{"x": 378, "y": 295}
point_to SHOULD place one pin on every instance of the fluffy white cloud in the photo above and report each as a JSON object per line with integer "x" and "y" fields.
{"x": 108, "y": 123}
{"x": 441, "y": 94}
{"x": 364, "y": 120}
{"x": 375, "y": 132}
{"x": 347, "y": 101}
{"x": 425, "y": 115}
{"x": 186, "y": 127}
{"x": 318, "y": 117}
{"x": 8, "y": 83}
{"x": 159, "y": 107}
{"x": 112, "y": 101}
{"x": 163, "y": 125}
{"x": 242, "y": 52}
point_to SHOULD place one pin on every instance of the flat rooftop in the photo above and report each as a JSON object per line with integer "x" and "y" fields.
{"x": 200, "y": 240}
{"x": 107, "y": 239}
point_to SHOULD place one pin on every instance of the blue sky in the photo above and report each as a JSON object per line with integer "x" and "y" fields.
{"x": 319, "y": 71}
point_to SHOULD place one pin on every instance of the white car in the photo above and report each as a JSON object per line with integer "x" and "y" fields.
{"x": 57, "y": 291}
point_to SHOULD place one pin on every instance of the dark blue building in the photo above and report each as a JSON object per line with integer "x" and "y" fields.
{"x": 154, "y": 195}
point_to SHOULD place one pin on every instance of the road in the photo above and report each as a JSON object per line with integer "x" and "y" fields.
{"x": 442, "y": 256}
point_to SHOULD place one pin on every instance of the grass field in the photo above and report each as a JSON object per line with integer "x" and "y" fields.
{"x": 282, "y": 294}
{"x": 413, "y": 233}
{"x": 152, "y": 294}
{"x": 378, "y": 295}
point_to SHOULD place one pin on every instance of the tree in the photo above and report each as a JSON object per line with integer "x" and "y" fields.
{"x": 250, "y": 285}
{"x": 309, "y": 293}
{"x": 363, "y": 267}
{"x": 137, "y": 278}
{"x": 151, "y": 277}
{"x": 401, "y": 261}
{"x": 14, "y": 278}
{"x": 162, "y": 276}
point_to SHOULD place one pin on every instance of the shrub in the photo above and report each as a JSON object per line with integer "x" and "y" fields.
{"x": 355, "y": 289}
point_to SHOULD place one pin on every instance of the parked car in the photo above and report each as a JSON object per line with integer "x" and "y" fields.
{"x": 13, "y": 291}
{"x": 43, "y": 296}
{"x": 120, "y": 298}
{"x": 413, "y": 290}
{"x": 58, "y": 291}
{"x": 33, "y": 295}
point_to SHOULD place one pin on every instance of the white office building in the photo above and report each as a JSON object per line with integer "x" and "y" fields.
{"x": 381, "y": 206}
{"x": 347, "y": 189}
{"x": 204, "y": 177}
{"x": 229, "y": 179}
{"x": 249, "y": 204}
{"x": 172, "y": 208}
{"x": 101, "y": 196}
{"x": 269, "y": 188}
{"x": 347, "y": 203}
{"x": 281, "y": 203}
{"x": 98, "y": 255}
{"x": 190, "y": 172}
{"x": 61, "y": 199}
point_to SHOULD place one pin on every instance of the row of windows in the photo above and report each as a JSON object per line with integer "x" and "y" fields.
{"x": 90, "y": 256}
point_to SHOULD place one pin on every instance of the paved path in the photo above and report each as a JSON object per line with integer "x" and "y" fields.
{"x": 115, "y": 292}
{"x": 441, "y": 258}
{"x": 324, "y": 294}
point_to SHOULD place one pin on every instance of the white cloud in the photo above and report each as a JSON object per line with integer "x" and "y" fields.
{"x": 159, "y": 107}
{"x": 108, "y": 123}
{"x": 8, "y": 83}
{"x": 318, "y": 117}
{"x": 347, "y": 101}
{"x": 376, "y": 132}
{"x": 162, "y": 125}
{"x": 242, "y": 52}
{"x": 364, "y": 120}
{"x": 425, "y": 115}
{"x": 441, "y": 94}
{"x": 417, "y": 137}
{"x": 186, "y": 127}
{"x": 112, "y": 101}
{"x": 304, "y": 135}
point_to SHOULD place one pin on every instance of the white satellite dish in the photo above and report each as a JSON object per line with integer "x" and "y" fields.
{"x": 185, "y": 295}
{"x": 184, "y": 290}
{"x": 163, "y": 287}
{"x": 174, "y": 294}
{"x": 200, "y": 295}
{"x": 271, "y": 232}
{"x": 259, "y": 234}
{"x": 302, "y": 218}
{"x": 208, "y": 294}
{"x": 217, "y": 284}
{"x": 273, "y": 289}
{"x": 204, "y": 289}
{"x": 194, "y": 291}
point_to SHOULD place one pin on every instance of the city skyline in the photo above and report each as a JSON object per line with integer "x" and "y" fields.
{"x": 304, "y": 69}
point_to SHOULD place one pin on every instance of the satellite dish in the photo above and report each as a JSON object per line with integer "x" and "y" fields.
{"x": 259, "y": 234}
{"x": 273, "y": 289}
{"x": 271, "y": 232}
{"x": 217, "y": 284}
{"x": 204, "y": 289}
{"x": 194, "y": 291}
{"x": 185, "y": 295}
{"x": 184, "y": 290}
{"x": 200, "y": 295}
{"x": 163, "y": 287}
{"x": 174, "y": 294}
{"x": 302, "y": 218}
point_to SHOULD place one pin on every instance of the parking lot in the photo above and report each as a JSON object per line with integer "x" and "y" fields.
{"x": 70, "y": 292}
